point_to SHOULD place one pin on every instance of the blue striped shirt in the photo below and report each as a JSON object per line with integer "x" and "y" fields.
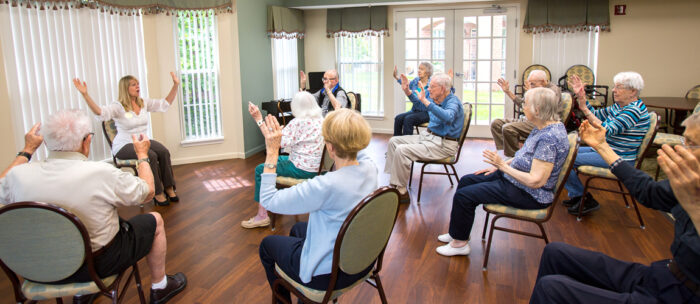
{"x": 625, "y": 127}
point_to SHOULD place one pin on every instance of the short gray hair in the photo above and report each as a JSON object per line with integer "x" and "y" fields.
{"x": 631, "y": 80}
{"x": 65, "y": 130}
{"x": 428, "y": 68}
{"x": 544, "y": 103}
{"x": 692, "y": 121}
{"x": 538, "y": 74}
{"x": 442, "y": 80}
{"x": 304, "y": 105}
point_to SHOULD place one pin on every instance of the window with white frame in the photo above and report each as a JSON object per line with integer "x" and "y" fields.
{"x": 198, "y": 65}
{"x": 360, "y": 62}
{"x": 285, "y": 67}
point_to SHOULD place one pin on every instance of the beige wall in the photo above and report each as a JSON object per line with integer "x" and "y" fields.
{"x": 160, "y": 60}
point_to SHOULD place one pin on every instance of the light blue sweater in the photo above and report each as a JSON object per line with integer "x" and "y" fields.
{"x": 328, "y": 199}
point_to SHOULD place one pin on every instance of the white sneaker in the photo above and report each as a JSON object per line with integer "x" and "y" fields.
{"x": 445, "y": 238}
{"x": 448, "y": 250}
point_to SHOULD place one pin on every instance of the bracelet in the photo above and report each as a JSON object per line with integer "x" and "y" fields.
{"x": 615, "y": 163}
{"x": 25, "y": 154}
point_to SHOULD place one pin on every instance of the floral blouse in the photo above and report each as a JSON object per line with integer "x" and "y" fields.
{"x": 302, "y": 138}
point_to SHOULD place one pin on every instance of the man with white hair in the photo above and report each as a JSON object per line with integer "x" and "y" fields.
{"x": 440, "y": 140}
{"x": 93, "y": 191}
{"x": 332, "y": 96}
{"x": 507, "y": 132}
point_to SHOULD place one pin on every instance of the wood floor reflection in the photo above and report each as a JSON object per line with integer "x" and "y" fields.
{"x": 220, "y": 259}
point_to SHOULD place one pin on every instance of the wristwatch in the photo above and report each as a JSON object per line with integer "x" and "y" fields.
{"x": 259, "y": 122}
{"x": 270, "y": 166}
{"x": 25, "y": 154}
{"x": 143, "y": 160}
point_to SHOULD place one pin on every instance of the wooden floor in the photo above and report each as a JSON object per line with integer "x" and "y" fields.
{"x": 220, "y": 259}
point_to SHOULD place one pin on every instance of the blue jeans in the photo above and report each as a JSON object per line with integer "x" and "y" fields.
{"x": 586, "y": 156}
{"x": 405, "y": 122}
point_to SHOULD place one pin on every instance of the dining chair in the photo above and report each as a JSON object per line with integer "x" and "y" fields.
{"x": 109, "y": 129}
{"x": 597, "y": 95}
{"x": 361, "y": 242}
{"x": 519, "y": 89}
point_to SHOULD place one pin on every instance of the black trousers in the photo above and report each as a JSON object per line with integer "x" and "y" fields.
{"x": 285, "y": 251}
{"x": 474, "y": 190}
{"x": 405, "y": 123}
{"x": 159, "y": 157}
{"x": 569, "y": 274}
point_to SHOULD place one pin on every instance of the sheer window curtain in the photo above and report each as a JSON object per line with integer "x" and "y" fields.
{"x": 285, "y": 67}
{"x": 560, "y": 50}
{"x": 45, "y": 49}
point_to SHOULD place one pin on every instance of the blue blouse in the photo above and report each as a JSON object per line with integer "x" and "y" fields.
{"x": 551, "y": 145}
{"x": 414, "y": 87}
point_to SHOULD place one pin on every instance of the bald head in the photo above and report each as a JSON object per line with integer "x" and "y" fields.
{"x": 332, "y": 76}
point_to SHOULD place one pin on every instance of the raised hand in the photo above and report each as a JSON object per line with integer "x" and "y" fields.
{"x": 272, "y": 133}
{"x": 32, "y": 140}
{"x": 505, "y": 86}
{"x": 81, "y": 86}
{"x": 141, "y": 144}
{"x": 302, "y": 80}
{"x": 683, "y": 171}
{"x": 592, "y": 133}
{"x": 492, "y": 158}
{"x": 176, "y": 80}
{"x": 577, "y": 85}
{"x": 254, "y": 112}
{"x": 395, "y": 73}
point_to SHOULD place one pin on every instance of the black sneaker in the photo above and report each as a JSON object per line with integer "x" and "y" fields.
{"x": 572, "y": 201}
{"x": 175, "y": 284}
{"x": 589, "y": 206}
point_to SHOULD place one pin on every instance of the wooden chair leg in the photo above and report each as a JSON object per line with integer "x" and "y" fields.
{"x": 624, "y": 197}
{"x": 544, "y": 234}
{"x": 455, "y": 173}
{"x": 137, "y": 280}
{"x": 486, "y": 224}
{"x": 420, "y": 183}
{"x": 380, "y": 288}
{"x": 583, "y": 200}
{"x": 639, "y": 215}
{"x": 449, "y": 175}
{"x": 488, "y": 243}
{"x": 273, "y": 220}
{"x": 59, "y": 300}
{"x": 410, "y": 175}
{"x": 656, "y": 176}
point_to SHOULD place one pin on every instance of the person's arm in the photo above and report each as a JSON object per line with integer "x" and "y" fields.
{"x": 505, "y": 86}
{"x": 82, "y": 88}
{"x": 536, "y": 178}
{"x": 141, "y": 146}
{"x": 446, "y": 113}
{"x": 682, "y": 169}
{"x": 341, "y": 99}
{"x": 302, "y": 81}
{"x": 132, "y": 190}
{"x": 32, "y": 141}
{"x": 173, "y": 91}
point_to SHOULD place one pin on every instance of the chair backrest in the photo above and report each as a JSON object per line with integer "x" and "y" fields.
{"x": 42, "y": 242}
{"x": 566, "y": 106}
{"x": 533, "y": 67}
{"x": 694, "y": 92}
{"x": 352, "y": 98}
{"x": 467, "y": 107}
{"x": 110, "y": 131}
{"x": 647, "y": 139}
{"x": 565, "y": 169}
{"x": 583, "y": 72}
{"x": 327, "y": 162}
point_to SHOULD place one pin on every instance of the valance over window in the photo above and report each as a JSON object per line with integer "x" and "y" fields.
{"x": 285, "y": 22}
{"x": 567, "y": 15}
{"x": 357, "y": 21}
{"x": 129, "y": 7}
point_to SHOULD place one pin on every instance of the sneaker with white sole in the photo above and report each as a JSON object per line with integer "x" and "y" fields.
{"x": 448, "y": 250}
{"x": 445, "y": 238}
{"x": 252, "y": 223}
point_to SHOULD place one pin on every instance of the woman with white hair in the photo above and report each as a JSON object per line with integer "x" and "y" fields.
{"x": 405, "y": 122}
{"x": 302, "y": 138}
{"x": 626, "y": 122}
{"x": 130, "y": 115}
{"x": 526, "y": 181}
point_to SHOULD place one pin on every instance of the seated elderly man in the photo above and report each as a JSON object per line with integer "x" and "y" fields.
{"x": 440, "y": 139}
{"x": 507, "y": 132}
{"x": 332, "y": 96}
{"x": 572, "y": 275}
{"x": 102, "y": 188}
{"x": 626, "y": 122}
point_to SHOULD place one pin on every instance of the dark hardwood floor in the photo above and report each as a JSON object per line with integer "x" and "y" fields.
{"x": 220, "y": 259}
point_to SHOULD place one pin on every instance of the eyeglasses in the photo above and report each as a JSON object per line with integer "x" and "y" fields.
{"x": 690, "y": 147}
{"x": 326, "y": 79}
{"x": 86, "y": 135}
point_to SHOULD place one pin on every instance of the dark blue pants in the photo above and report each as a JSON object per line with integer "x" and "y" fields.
{"x": 474, "y": 190}
{"x": 405, "y": 123}
{"x": 285, "y": 251}
{"x": 573, "y": 275}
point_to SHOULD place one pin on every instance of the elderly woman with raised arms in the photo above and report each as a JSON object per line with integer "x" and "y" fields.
{"x": 404, "y": 123}
{"x": 526, "y": 181}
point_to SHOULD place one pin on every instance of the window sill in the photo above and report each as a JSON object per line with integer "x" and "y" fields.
{"x": 201, "y": 142}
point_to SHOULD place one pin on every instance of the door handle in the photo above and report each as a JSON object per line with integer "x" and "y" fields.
{"x": 459, "y": 75}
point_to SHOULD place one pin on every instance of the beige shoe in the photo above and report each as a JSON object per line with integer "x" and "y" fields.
{"x": 252, "y": 223}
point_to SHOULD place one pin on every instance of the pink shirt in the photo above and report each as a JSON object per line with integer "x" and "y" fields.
{"x": 303, "y": 140}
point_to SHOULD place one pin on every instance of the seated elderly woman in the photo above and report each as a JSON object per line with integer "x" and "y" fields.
{"x": 526, "y": 181}
{"x": 404, "y": 123}
{"x": 306, "y": 255}
{"x": 626, "y": 122}
{"x": 302, "y": 139}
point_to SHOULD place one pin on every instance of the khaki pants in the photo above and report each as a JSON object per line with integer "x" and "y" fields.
{"x": 507, "y": 132}
{"x": 403, "y": 150}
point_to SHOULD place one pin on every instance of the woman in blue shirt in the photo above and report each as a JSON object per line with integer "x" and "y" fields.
{"x": 526, "y": 181}
{"x": 306, "y": 255}
{"x": 404, "y": 123}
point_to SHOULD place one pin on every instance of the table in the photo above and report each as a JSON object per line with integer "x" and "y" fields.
{"x": 281, "y": 109}
{"x": 679, "y": 104}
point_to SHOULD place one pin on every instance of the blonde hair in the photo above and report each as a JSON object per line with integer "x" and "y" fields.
{"x": 124, "y": 97}
{"x": 347, "y": 131}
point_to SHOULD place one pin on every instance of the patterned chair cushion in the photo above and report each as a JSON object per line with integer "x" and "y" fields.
{"x": 40, "y": 291}
{"x": 595, "y": 102}
{"x": 694, "y": 92}
{"x": 584, "y": 72}
{"x": 596, "y": 171}
{"x": 315, "y": 294}
{"x": 666, "y": 138}
{"x": 536, "y": 214}
{"x": 289, "y": 181}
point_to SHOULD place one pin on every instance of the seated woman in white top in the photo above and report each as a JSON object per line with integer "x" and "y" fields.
{"x": 306, "y": 255}
{"x": 130, "y": 117}
{"x": 302, "y": 138}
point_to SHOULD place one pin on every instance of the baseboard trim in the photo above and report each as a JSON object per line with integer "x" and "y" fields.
{"x": 254, "y": 150}
{"x": 206, "y": 158}
{"x": 382, "y": 131}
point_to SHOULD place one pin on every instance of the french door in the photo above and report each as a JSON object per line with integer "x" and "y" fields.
{"x": 478, "y": 44}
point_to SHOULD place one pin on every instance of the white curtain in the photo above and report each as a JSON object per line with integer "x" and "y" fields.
{"x": 285, "y": 67}
{"x": 560, "y": 50}
{"x": 45, "y": 49}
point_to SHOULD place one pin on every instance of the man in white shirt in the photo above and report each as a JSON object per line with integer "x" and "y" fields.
{"x": 93, "y": 191}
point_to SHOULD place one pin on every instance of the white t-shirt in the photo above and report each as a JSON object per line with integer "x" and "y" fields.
{"x": 128, "y": 123}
